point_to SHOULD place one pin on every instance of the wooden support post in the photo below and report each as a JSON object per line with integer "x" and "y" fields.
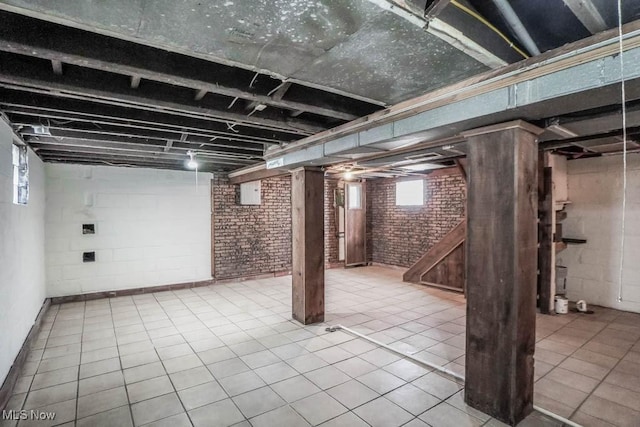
{"x": 501, "y": 269}
{"x": 307, "y": 218}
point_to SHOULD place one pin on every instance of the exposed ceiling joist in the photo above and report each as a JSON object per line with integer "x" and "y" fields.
{"x": 434, "y": 7}
{"x": 56, "y": 65}
{"x": 588, "y": 14}
{"x": 280, "y": 91}
{"x": 74, "y": 111}
{"x": 135, "y": 82}
{"x": 144, "y": 154}
{"x": 16, "y": 76}
{"x": 90, "y": 50}
{"x": 200, "y": 93}
{"x": 54, "y": 143}
{"x": 446, "y": 31}
{"x": 194, "y": 143}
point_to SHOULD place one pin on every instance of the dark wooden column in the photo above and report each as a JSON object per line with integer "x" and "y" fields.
{"x": 501, "y": 269}
{"x": 307, "y": 218}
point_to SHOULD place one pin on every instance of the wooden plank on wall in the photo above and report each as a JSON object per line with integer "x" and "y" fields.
{"x": 437, "y": 253}
{"x": 501, "y": 270}
{"x": 307, "y": 218}
{"x": 545, "y": 236}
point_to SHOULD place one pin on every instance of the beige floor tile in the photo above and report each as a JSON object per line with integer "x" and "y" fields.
{"x": 50, "y": 395}
{"x": 241, "y": 383}
{"x": 284, "y": 416}
{"x": 619, "y": 395}
{"x": 318, "y": 408}
{"x": 100, "y": 383}
{"x": 156, "y": 409}
{"x": 99, "y": 368}
{"x": 327, "y": 377}
{"x": 412, "y": 399}
{"x": 383, "y": 413}
{"x": 572, "y": 379}
{"x": 201, "y": 395}
{"x": 120, "y": 417}
{"x": 445, "y": 415}
{"x": 295, "y": 388}
{"x": 609, "y": 411}
{"x": 585, "y": 368}
{"x": 138, "y": 359}
{"x": 51, "y": 378}
{"x": 437, "y": 385}
{"x": 190, "y": 378}
{"x": 258, "y": 401}
{"x": 148, "y": 389}
{"x": 277, "y": 372}
{"x": 101, "y": 401}
{"x": 65, "y": 412}
{"x": 219, "y": 414}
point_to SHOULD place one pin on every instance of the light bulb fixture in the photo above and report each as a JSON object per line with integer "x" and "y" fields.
{"x": 348, "y": 175}
{"x": 192, "y": 163}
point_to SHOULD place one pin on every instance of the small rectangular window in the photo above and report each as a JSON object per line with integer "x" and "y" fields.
{"x": 355, "y": 196}
{"x": 410, "y": 193}
{"x": 20, "y": 175}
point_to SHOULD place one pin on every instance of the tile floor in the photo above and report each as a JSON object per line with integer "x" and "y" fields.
{"x": 230, "y": 355}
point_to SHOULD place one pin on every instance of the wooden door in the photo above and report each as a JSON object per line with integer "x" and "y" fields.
{"x": 355, "y": 224}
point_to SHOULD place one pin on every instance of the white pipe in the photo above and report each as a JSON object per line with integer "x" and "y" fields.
{"x": 409, "y": 356}
{"x": 518, "y": 27}
{"x": 556, "y": 416}
{"x": 442, "y": 369}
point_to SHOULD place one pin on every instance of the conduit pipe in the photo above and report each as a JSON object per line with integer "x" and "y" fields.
{"x": 516, "y": 24}
{"x": 441, "y": 369}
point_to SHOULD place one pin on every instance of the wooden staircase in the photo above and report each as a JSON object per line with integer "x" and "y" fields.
{"x": 443, "y": 265}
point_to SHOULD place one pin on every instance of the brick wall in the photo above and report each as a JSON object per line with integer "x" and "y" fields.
{"x": 256, "y": 240}
{"x": 251, "y": 240}
{"x": 330, "y": 226}
{"x": 399, "y": 235}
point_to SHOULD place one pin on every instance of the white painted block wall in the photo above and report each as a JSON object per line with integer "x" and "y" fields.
{"x": 153, "y": 227}
{"x": 22, "y": 270}
{"x": 595, "y": 214}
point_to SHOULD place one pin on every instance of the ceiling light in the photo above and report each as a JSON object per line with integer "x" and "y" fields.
{"x": 192, "y": 163}
{"x": 41, "y": 130}
{"x": 422, "y": 167}
{"x": 348, "y": 175}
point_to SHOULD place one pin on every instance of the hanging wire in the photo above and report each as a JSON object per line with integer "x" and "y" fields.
{"x": 624, "y": 148}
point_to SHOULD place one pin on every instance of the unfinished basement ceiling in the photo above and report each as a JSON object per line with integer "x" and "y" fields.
{"x": 141, "y": 82}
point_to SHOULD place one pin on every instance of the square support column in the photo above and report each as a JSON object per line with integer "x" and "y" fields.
{"x": 501, "y": 267}
{"x": 307, "y": 219}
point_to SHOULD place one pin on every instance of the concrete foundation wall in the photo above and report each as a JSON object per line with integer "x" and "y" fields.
{"x": 152, "y": 227}
{"x": 595, "y": 214}
{"x": 22, "y": 271}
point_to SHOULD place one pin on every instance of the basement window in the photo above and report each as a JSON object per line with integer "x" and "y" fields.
{"x": 410, "y": 193}
{"x": 20, "y": 175}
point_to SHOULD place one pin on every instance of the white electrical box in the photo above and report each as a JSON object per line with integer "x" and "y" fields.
{"x": 250, "y": 193}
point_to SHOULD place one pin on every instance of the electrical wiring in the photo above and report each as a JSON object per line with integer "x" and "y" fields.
{"x": 482, "y": 19}
{"x": 623, "y": 96}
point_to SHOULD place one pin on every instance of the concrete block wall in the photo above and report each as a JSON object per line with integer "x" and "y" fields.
{"x": 595, "y": 214}
{"x": 153, "y": 227}
{"x": 22, "y": 241}
{"x": 400, "y": 235}
{"x": 256, "y": 240}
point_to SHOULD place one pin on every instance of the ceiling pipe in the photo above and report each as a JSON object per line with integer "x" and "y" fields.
{"x": 516, "y": 24}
